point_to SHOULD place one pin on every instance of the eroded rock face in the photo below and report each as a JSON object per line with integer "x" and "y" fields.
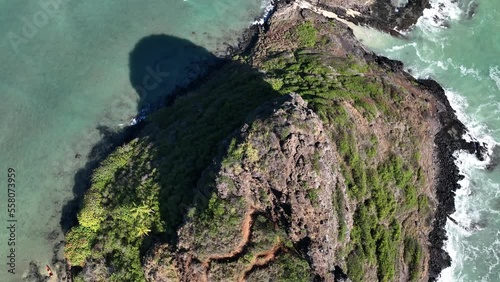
{"x": 288, "y": 172}
{"x": 297, "y": 169}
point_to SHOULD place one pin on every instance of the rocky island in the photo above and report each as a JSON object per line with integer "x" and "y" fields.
{"x": 304, "y": 157}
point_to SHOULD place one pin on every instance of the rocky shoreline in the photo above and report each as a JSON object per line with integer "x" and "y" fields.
{"x": 381, "y": 14}
{"x": 448, "y": 141}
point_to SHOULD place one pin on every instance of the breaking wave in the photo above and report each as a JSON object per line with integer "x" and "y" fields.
{"x": 268, "y": 8}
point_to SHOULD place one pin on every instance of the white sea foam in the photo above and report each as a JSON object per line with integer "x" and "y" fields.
{"x": 401, "y": 47}
{"x": 495, "y": 75}
{"x": 267, "y": 7}
{"x": 441, "y": 13}
{"x": 467, "y": 213}
{"x": 477, "y": 130}
{"x": 399, "y": 3}
{"x": 465, "y": 71}
{"x": 465, "y": 216}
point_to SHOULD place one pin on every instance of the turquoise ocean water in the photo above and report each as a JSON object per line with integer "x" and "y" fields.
{"x": 64, "y": 72}
{"x": 457, "y": 43}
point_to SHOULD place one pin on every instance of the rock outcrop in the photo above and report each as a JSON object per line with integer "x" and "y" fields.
{"x": 382, "y": 14}
{"x": 289, "y": 172}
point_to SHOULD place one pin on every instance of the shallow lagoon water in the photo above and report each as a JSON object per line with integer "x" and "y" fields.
{"x": 65, "y": 72}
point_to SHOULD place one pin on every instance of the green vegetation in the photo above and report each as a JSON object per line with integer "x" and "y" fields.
{"x": 372, "y": 151}
{"x": 323, "y": 83}
{"x": 120, "y": 208}
{"x": 275, "y": 83}
{"x": 236, "y": 153}
{"x": 413, "y": 257}
{"x": 218, "y": 226}
{"x": 328, "y": 84}
{"x": 293, "y": 269}
{"x": 338, "y": 203}
{"x": 387, "y": 248}
{"x": 288, "y": 265}
{"x": 423, "y": 204}
{"x": 145, "y": 187}
{"x": 315, "y": 162}
{"x": 373, "y": 244}
{"x": 78, "y": 279}
{"x": 307, "y": 34}
{"x": 79, "y": 245}
{"x": 356, "y": 264}
{"x": 312, "y": 195}
{"x": 377, "y": 232}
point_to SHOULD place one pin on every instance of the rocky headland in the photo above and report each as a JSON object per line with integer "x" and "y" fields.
{"x": 303, "y": 157}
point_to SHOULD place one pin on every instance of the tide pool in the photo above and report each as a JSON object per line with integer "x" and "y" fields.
{"x": 66, "y": 77}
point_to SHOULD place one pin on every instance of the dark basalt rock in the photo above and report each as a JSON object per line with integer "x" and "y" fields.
{"x": 448, "y": 140}
{"x": 471, "y": 10}
{"x": 339, "y": 275}
{"x": 392, "y": 65}
{"x": 383, "y": 15}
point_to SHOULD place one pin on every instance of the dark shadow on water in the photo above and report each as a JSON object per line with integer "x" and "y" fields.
{"x": 159, "y": 64}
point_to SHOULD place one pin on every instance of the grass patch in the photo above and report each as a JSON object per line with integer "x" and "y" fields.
{"x": 315, "y": 162}
{"x": 312, "y": 195}
{"x": 413, "y": 257}
{"x": 307, "y": 34}
{"x": 293, "y": 269}
{"x": 338, "y": 203}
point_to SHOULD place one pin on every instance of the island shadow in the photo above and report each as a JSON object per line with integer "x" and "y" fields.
{"x": 160, "y": 64}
